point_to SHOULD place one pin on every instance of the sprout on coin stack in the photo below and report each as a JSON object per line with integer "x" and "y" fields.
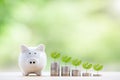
{"x": 86, "y": 66}
{"x": 55, "y": 66}
{"x": 65, "y": 69}
{"x": 76, "y": 63}
{"x": 97, "y": 67}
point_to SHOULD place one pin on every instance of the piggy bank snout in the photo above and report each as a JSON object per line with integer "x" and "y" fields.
{"x": 32, "y": 61}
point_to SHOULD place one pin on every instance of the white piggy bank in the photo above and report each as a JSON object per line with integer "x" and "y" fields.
{"x": 32, "y": 59}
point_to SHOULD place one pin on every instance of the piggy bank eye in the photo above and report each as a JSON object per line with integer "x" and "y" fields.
{"x": 35, "y": 53}
{"x": 29, "y": 52}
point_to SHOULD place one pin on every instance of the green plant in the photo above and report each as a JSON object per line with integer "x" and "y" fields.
{"x": 76, "y": 62}
{"x": 66, "y": 59}
{"x": 87, "y": 66}
{"x": 55, "y": 55}
{"x": 98, "y": 67}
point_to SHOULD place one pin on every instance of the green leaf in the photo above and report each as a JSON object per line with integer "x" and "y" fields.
{"x": 66, "y": 59}
{"x": 76, "y": 62}
{"x": 98, "y": 67}
{"x": 87, "y": 65}
{"x": 55, "y": 55}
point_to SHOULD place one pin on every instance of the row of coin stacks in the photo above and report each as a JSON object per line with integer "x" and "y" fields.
{"x": 66, "y": 70}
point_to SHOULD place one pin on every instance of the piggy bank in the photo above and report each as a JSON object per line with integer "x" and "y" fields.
{"x": 32, "y": 59}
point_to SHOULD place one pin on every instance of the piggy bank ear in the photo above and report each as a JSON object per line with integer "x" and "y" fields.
{"x": 24, "y": 49}
{"x": 41, "y": 47}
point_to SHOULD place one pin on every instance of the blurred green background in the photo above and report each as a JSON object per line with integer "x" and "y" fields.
{"x": 84, "y": 29}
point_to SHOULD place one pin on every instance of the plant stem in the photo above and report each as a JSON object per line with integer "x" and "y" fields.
{"x": 65, "y": 64}
{"x": 86, "y": 70}
{"x": 75, "y": 67}
{"x": 97, "y": 72}
{"x": 80, "y": 68}
{"x": 55, "y": 60}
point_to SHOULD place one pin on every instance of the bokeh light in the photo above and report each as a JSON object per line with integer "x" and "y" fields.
{"x": 86, "y": 29}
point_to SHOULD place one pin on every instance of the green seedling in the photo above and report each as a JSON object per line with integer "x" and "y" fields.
{"x": 87, "y": 66}
{"x": 66, "y": 59}
{"x": 55, "y": 55}
{"x": 98, "y": 67}
{"x": 76, "y": 62}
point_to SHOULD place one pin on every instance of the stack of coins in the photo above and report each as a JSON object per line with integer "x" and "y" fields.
{"x": 65, "y": 71}
{"x": 96, "y": 75}
{"x": 75, "y": 72}
{"x": 55, "y": 69}
{"x": 86, "y": 74}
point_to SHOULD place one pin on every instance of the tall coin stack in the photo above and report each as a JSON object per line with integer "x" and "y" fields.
{"x": 55, "y": 69}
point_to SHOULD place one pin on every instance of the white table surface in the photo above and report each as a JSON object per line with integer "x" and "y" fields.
{"x": 46, "y": 76}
